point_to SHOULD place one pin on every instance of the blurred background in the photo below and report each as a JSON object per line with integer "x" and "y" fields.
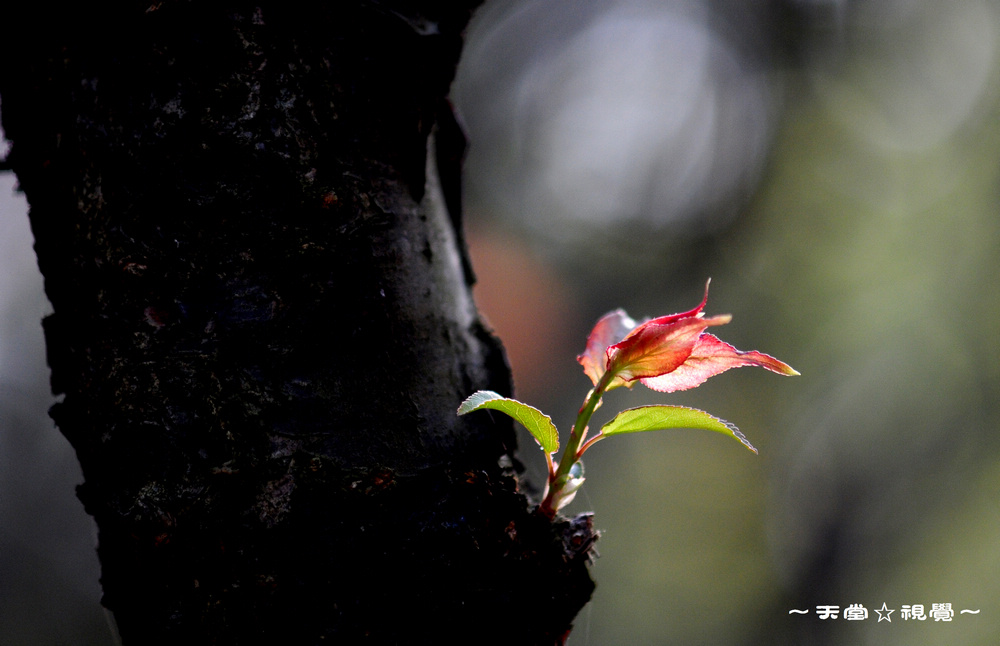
{"x": 834, "y": 167}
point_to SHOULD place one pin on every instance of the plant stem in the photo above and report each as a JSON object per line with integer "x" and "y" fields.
{"x": 571, "y": 452}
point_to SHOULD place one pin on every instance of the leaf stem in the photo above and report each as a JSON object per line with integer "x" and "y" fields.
{"x": 587, "y": 445}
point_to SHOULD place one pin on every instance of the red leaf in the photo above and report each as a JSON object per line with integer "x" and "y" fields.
{"x": 610, "y": 329}
{"x": 667, "y": 353}
{"x": 655, "y": 348}
{"x": 710, "y": 357}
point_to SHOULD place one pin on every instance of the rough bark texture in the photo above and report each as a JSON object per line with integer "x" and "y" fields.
{"x": 246, "y": 219}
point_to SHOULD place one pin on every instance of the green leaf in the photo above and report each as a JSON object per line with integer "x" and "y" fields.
{"x": 656, "y": 418}
{"x": 538, "y": 423}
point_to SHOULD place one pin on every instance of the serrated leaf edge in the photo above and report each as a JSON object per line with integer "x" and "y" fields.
{"x": 483, "y": 398}
{"x": 736, "y": 433}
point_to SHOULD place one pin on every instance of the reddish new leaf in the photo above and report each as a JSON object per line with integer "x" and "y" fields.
{"x": 710, "y": 357}
{"x": 667, "y": 353}
{"x": 655, "y": 349}
{"x": 610, "y": 329}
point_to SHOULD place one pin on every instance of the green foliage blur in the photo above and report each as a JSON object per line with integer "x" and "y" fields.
{"x": 858, "y": 240}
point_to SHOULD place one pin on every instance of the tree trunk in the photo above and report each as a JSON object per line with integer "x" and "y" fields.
{"x": 247, "y": 220}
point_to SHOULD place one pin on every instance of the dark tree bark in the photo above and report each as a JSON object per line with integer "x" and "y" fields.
{"x": 247, "y": 220}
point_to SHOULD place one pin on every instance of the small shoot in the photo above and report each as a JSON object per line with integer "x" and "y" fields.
{"x": 665, "y": 354}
